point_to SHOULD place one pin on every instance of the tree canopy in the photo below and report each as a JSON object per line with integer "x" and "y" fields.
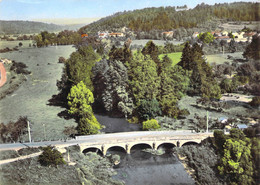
{"x": 80, "y": 99}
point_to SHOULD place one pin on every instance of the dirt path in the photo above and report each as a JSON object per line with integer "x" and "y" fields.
{"x": 2, "y": 74}
{"x": 19, "y": 158}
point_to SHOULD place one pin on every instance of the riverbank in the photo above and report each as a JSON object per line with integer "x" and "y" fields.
{"x": 200, "y": 162}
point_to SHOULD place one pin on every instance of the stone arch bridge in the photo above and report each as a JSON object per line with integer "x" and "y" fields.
{"x": 127, "y": 140}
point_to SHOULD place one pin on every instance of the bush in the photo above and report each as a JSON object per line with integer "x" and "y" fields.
{"x": 51, "y": 157}
{"x": 62, "y": 60}
{"x": 148, "y": 109}
{"x": 150, "y": 124}
{"x": 255, "y": 101}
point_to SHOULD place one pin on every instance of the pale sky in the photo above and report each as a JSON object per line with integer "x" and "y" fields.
{"x": 53, "y": 9}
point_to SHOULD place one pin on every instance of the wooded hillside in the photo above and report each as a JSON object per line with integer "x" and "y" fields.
{"x": 168, "y": 18}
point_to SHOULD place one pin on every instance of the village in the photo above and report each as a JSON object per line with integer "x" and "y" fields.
{"x": 244, "y": 35}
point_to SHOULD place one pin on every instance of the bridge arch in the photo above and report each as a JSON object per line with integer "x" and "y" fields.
{"x": 190, "y": 143}
{"x": 144, "y": 144}
{"x": 120, "y": 148}
{"x": 166, "y": 144}
{"x": 92, "y": 149}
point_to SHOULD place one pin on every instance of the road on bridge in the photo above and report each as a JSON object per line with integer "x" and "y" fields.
{"x": 107, "y": 138}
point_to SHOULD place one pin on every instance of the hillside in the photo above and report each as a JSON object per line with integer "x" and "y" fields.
{"x": 26, "y": 27}
{"x": 168, "y": 18}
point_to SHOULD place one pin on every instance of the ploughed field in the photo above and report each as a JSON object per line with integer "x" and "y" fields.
{"x": 31, "y": 99}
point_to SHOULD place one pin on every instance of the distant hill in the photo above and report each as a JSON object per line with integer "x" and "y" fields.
{"x": 168, "y": 18}
{"x": 29, "y": 27}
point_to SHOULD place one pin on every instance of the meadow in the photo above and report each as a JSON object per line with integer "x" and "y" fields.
{"x": 175, "y": 57}
{"x": 31, "y": 99}
{"x": 12, "y": 44}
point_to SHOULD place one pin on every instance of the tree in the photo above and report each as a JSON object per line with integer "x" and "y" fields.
{"x": 148, "y": 109}
{"x": 206, "y": 37}
{"x": 143, "y": 78}
{"x": 88, "y": 125}
{"x": 79, "y": 66}
{"x": 51, "y": 157}
{"x": 253, "y": 49}
{"x": 110, "y": 80}
{"x": 202, "y": 80}
{"x": 187, "y": 57}
{"x": 174, "y": 82}
{"x": 152, "y": 50}
{"x": 13, "y": 131}
{"x": 150, "y": 124}
{"x": 80, "y": 99}
{"x": 236, "y": 162}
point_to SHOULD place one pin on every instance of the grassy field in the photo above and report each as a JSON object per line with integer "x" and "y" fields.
{"x": 12, "y": 44}
{"x": 222, "y": 58}
{"x": 31, "y": 99}
{"x": 175, "y": 57}
{"x": 157, "y": 42}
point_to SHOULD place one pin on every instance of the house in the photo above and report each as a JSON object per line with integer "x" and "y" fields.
{"x": 116, "y": 34}
{"x": 241, "y": 126}
{"x": 103, "y": 35}
{"x": 239, "y": 35}
{"x": 5, "y": 61}
{"x": 249, "y": 36}
{"x": 226, "y": 38}
{"x": 223, "y": 119}
{"x": 216, "y": 33}
{"x": 224, "y": 33}
{"x": 84, "y": 35}
{"x": 227, "y": 128}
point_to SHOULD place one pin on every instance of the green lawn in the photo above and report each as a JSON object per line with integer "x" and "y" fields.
{"x": 175, "y": 57}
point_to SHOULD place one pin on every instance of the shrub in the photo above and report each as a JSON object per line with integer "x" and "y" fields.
{"x": 150, "y": 124}
{"x": 148, "y": 109}
{"x": 62, "y": 60}
{"x": 51, "y": 157}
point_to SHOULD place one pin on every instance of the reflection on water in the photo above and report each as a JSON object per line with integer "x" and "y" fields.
{"x": 145, "y": 168}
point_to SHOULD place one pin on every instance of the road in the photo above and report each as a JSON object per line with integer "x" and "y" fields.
{"x": 3, "y": 77}
{"x": 6, "y": 161}
{"x": 106, "y": 138}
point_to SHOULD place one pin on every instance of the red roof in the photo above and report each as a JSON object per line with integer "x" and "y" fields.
{"x": 115, "y": 33}
{"x": 84, "y": 35}
{"x": 223, "y": 37}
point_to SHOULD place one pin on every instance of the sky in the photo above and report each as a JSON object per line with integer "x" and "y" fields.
{"x": 79, "y": 9}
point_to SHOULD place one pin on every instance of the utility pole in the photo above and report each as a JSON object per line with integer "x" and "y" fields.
{"x": 44, "y": 132}
{"x": 29, "y": 131}
{"x": 68, "y": 155}
{"x": 207, "y": 121}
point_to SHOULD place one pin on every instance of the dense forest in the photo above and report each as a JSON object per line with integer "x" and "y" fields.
{"x": 168, "y": 18}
